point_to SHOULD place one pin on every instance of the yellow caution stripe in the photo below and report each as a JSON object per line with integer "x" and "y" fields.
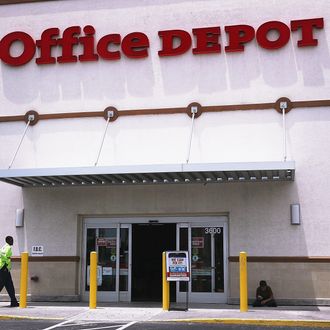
{"x": 21, "y": 317}
{"x": 264, "y": 322}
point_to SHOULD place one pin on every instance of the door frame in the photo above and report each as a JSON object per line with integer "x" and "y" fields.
{"x": 126, "y": 222}
{"x": 201, "y": 297}
{"x": 108, "y": 296}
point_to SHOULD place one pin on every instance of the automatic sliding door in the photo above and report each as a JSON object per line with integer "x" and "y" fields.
{"x": 207, "y": 266}
{"x": 125, "y": 264}
{"x": 112, "y": 243}
{"x": 206, "y": 244}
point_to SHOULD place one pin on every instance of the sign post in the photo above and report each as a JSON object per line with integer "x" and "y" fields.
{"x": 178, "y": 268}
{"x": 93, "y": 280}
{"x": 24, "y": 280}
{"x": 166, "y": 286}
{"x": 243, "y": 282}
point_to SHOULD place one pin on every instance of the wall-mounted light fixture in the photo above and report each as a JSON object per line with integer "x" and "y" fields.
{"x": 19, "y": 221}
{"x": 295, "y": 214}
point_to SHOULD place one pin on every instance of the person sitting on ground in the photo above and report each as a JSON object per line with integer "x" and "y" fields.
{"x": 264, "y": 296}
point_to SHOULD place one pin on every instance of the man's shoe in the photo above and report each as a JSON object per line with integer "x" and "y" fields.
{"x": 14, "y": 304}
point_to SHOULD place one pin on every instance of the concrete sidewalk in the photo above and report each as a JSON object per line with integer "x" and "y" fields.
{"x": 314, "y": 316}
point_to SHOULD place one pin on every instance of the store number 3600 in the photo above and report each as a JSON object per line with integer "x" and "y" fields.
{"x": 213, "y": 230}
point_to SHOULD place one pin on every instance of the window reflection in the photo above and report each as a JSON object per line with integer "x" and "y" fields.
{"x": 207, "y": 264}
{"x": 107, "y": 245}
{"x": 201, "y": 260}
{"x": 104, "y": 241}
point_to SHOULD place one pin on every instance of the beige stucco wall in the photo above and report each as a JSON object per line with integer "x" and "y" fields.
{"x": 52, "y": 214}
{"x": 255, "y": 210}
{"x": 306, "y": 283}
{"x": 303, "y": 282}
{"x": 56, "y": 281}
{"x": 259, "y": 223}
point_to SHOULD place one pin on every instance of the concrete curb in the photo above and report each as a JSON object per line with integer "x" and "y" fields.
{"x": 265, "y": 322}
{"x": 22, "y": 317}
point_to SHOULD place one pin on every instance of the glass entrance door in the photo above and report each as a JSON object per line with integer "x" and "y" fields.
{"x": 113, "y": 245}
{"x": 206, "y": 244}
{"x": 120, "y": 278}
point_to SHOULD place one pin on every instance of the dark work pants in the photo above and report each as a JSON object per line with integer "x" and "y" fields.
{"x": 271, "y": 303}
{"x": 7, "y": 282}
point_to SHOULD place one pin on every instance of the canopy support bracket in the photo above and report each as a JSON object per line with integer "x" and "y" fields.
{"x": 30, "y": 119}
{"x": 284, "y": 106}
{"x": 110, "y": 115}
{"x": 194, "y": 110}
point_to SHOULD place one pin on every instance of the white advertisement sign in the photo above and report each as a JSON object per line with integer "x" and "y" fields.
{"x": 177, "y": 266}
{"x": 107, "y": 271}
{"x": 37, "y": 251}
{"x": 99, "y": 275}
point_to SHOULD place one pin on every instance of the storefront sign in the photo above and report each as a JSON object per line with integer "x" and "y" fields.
{"x": 177, "y": 266}
{"x": 136, "y": 44}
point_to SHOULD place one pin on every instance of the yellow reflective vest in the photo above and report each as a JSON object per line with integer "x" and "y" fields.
{"x": 5, "y": 254}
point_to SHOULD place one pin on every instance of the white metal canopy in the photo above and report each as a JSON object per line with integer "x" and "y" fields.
{"x": 150, "y": 174}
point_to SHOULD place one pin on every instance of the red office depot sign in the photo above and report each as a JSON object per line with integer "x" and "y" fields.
{"x": 79, "y": 44}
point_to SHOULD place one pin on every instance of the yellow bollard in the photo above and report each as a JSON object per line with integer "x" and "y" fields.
{"x": 93, "y": 280}
{"x": 166, "y": 286}
{"x": 24, "y": 280}
{"x": 243, "y": 282}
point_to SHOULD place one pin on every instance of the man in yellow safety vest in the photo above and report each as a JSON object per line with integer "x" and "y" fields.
{"x": 5, "y": 267}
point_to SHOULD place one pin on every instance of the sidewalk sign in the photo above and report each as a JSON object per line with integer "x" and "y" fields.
{"x": 178, "y": 269}
{"x": 177, "y": 266}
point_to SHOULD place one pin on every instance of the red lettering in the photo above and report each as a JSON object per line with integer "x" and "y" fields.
{"x": 28, "y": 51}
{"x": 89, "y": 44}
{"x": 67, "y": 42}
{"x": 238, "y": 35}
{"x": 104, "y": 44}
{"x": 168, "y": 38}
{"x": 283, "y": 35}
{"x": 207, "y": 40}
{"x": 306, "y": 26}
{"x": 135, "y": 45}
{"x": 45, "y": 44}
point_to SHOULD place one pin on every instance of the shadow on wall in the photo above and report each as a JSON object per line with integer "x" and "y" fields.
{"x": 235, "y": 71}
{"x": 20, "y": 233}
{"x": 310, "y": 63}
{"x": 11, "y": 201}
{"x": 78, "y": 81}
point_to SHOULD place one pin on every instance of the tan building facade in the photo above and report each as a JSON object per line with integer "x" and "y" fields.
{"x": 213, "y": 152}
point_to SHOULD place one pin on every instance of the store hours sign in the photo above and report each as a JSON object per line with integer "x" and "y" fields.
{"x": 177, "y": 266}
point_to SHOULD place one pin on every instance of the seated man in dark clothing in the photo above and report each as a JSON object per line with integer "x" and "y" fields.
{"x": 264, "y": 296}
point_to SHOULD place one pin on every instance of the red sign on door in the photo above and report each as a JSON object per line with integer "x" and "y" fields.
{"x": 198, "y": 242}
{"x": 108, "y": 242}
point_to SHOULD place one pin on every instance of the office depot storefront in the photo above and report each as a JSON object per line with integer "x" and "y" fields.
{"x": 131, "y": 128}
